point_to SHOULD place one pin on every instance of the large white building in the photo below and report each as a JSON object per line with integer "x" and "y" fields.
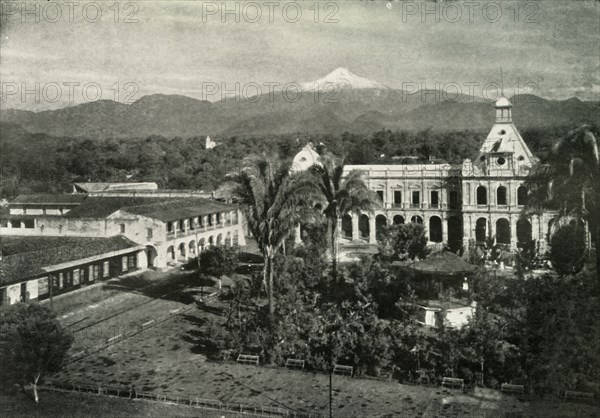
{"x": 459, "y": 204}
{"x": 120, "y": 231}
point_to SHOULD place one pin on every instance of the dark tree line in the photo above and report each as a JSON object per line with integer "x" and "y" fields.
{"x": 38, "y": 163}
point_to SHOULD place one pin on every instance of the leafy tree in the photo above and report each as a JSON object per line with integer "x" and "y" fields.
{"x": 311, "y": 252}
{"x": 218, "y": 261}
{"x": 570, "y": 182}
{"x": 392, "y": 293}
{"x": 403, "y": 241}
{"x": 342, "y": 196}
{"x": 567, "y": 249}
{"x": 270, "y": 199}
{"x": 558, "y": 332}
{"x": 483, "y": 343}
{"x": 32, "y": 344}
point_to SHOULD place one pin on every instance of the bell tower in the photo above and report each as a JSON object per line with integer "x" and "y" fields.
{"x": 503, "y": 110}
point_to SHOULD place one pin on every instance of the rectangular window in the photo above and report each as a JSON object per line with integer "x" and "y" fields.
{"x": 416, "y": 198}
{"x": 149, "y": 232}
{"x": 91, "y": 273}
{"x": 210, "y": 220}
{"x": 397, "y": 197}
{"x": 76, "y": 277}
{"x": 131, "y": 262}
{"x": 124, "y": 264}
{"x": 61, "y": 279}
{"x": 96, "y": 271}
{"x": 380, "y": 194}
{"x": 43, "y": 286}
{"x": 106, "y": 269}
{"x": 200, "y": 223}
{"x": 218, "y": 218}
{"x": 122, "y": 227}
{"x": 191, "y": 223}
{"x": 453, "y": 203}
{"x": 434, "y": 199}
{"x": 182, "y": 225}
{"x": 29, "y": 223}
{"x": 169, "y": 227}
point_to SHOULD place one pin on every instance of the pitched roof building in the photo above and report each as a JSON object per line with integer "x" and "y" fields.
{"x": 30, "y": 263}
{"x": 158, "y": 229}
{"x": 459, "y": 204}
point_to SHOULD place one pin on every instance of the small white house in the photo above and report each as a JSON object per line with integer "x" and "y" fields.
{"x": 452, "y": 313}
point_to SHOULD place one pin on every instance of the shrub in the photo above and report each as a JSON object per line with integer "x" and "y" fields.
{"x": 567, "y": 251}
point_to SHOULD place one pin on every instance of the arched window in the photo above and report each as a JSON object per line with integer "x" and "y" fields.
{"x": 416, "y": 220}
{"x": 435, "y": 229}
{"x": 380, "y": 225}
{"x": 347, "y": 226}
{"x": 481, "y": 195}
{"x": 455, "y": 233}
{"x": 502, "y": 231}
{"x": 363, "y": 226}
{"x": 522, "y": 193}
{"x": 398, "y": 220}
{"x": 501, "y": 196}
{"x": 524, "y": 232}
{"x": 481, "y": 230}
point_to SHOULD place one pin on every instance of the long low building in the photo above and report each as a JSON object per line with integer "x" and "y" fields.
{"x": 33, "y": 268}
{"x": 171, "y": 229}
{"x": 162, "y": 231}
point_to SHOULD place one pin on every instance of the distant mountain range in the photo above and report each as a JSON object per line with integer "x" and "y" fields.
{"x": 345, "y": 102}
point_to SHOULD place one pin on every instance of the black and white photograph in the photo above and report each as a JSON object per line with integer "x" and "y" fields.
{"x": 300, "y": 209}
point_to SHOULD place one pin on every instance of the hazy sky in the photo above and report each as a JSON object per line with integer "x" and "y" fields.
{"x": 181, "y": 47}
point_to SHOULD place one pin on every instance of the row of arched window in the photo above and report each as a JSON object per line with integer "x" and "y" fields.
{"x": 501, "y": 196}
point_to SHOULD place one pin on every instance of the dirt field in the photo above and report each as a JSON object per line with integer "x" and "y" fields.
{"x": 169, "y": 358}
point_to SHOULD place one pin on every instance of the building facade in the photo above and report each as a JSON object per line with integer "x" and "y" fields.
{"x": 459, "y": 204}
{"x": 172, "y": 229}
{"x": 34, "y": 268}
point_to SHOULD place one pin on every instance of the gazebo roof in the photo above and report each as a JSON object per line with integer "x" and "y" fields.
{"x": 443, "y": 262}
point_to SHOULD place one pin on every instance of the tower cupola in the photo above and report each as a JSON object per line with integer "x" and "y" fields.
{"x": 503, "y": 110}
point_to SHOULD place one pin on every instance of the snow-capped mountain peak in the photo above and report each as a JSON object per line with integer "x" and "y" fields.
{"x": 343, "y": 78}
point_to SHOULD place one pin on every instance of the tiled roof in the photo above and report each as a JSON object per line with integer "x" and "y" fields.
{"x": 25, "y": 257}
{"x": 101, "y": 187}
{"x": 163, "y": 208}
{"x": 444, "y": 263}
{"x": 101, "y": 207}
{"x": 54, "y": 199}
{"x": 173, "y": 210}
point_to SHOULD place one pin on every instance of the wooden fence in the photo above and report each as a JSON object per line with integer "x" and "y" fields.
{"x": 183, "y": 400}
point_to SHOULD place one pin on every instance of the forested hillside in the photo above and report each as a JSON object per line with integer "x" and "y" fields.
{"x": 40, "y": 163}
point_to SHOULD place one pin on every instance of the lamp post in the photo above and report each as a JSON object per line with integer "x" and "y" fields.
{"x": 198, "y": 264}
{"x": 50, "y": 285}
{"x": 333, "y": 328}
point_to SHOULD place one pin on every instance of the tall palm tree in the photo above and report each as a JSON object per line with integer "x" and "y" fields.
{"x": 341, "y": 195}
{"x": 269, "y": 196}
{"x": 570, "y": 182}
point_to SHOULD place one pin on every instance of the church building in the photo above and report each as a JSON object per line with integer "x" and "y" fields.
{"x": 459, "y": 204}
